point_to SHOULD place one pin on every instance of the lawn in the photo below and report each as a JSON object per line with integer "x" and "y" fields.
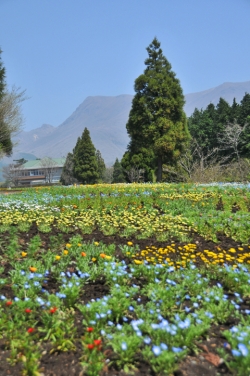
{"x": 139, "y": 279}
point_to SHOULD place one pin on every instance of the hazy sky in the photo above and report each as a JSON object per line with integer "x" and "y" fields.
{"x": 62, "y": 51}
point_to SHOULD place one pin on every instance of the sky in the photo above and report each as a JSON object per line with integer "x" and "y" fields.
{"x": 62, "y": 51}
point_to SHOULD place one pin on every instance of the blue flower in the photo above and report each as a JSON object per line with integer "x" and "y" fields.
{"x": 156, "y": 350}
{"x": 236, "y": 353}
{"x": 124, "y": 346}
{"x": 147, "y": 340}
{"x": 176, "y": 349}
{"x": 163, "y": 346}
{"x": 243, "y": 349}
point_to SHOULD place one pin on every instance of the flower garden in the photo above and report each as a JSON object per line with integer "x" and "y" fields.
{"x": 139, "y": 279}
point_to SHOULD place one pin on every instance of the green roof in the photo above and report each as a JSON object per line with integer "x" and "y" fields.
{"x": 37, "y": 163}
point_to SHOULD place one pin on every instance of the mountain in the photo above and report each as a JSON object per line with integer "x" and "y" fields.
{"x": 106, "y": 119}
{"x": 227, "y": 91}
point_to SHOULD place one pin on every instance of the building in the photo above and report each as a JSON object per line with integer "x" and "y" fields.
{"x": 39, "y": 171}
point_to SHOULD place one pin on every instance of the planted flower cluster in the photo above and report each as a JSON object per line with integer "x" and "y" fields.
{"x": 139, "y": 279}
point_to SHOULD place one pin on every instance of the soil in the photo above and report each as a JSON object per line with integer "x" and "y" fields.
{"x": 204, "y": 362}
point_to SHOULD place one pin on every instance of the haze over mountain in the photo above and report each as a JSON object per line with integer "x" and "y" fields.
{"x": 106, "y": 119}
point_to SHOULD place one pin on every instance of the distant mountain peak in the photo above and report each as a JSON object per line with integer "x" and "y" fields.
{"x": 106, "y": 118}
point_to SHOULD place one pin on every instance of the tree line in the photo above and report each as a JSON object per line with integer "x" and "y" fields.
{"x": 165, "y": 145}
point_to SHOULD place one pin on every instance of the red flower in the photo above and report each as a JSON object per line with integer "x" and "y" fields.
{"x": 9, "y": 303}
{"x": 30, "y": 330}
{"x": 91, "y": 346}
{"x": 90, "y": 329}
{"x": 27, "y": 310}
{"x": 53, "y": 310}
{"x": 97, "y": 342}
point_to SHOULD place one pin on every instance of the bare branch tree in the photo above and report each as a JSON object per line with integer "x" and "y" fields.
{"x": 135, "y": 174}
{"x": 12, "y": 174}
{"x": 196, "y": 163}
{"x": 11, "y": 118}
{"x": 231, "y": 139}
{"x": 48, "y": 164}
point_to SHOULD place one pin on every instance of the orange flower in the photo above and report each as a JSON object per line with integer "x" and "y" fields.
{"x": 33, "y": 269}
{"x": 84, "y": 254}
{"x": 102, "y": 255}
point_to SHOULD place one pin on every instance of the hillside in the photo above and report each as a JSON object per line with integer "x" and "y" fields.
{"x": 106, "y": 118}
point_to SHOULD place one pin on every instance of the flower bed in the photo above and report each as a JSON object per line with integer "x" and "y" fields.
{"x": 125, "y": 279}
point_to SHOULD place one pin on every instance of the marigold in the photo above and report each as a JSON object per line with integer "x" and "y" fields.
{"x": 84, "y": 254}
{"x": 24, "y": 254}
{"x": 102, "y": 255}
{"x": 33, "y": 269}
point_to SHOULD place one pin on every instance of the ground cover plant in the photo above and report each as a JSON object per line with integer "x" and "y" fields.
{"x": 149, "y": 279}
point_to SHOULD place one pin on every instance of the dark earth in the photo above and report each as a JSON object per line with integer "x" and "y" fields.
{"x": 204, "y": 362}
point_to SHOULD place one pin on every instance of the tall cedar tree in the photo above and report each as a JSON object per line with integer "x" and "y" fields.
{"x": 118, "y": 175}
{"x": 100, "y": 165}
{"x": 5, "y": 134}
{"x": 157, "y": 125}
{"x": 85, "y": 168}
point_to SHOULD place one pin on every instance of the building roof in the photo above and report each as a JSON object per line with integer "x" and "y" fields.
{"x": 59, "y": 162}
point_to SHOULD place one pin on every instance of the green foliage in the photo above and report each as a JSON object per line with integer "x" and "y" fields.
{"x": 85, "y": 166}
{"x": 157, "y": 124}
{"x": 100, "y": 165}
{"x": 208, "y": 126}
{"x": 118, "y": 176}
{"x": 67, "y": 177}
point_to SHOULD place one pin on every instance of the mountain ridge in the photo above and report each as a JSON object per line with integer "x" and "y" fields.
{"x": 106, "y": 118}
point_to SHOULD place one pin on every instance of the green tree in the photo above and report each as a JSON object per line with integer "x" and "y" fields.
{"x": 118, "y": 175}
{"x": 157, "y": 122}
{"x": 67, "y": 177}
{"x": 100, "y": 165}
{"x": 85, "y": 167}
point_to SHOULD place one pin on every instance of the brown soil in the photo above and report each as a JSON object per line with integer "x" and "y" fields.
{"x": 202, "y": 363}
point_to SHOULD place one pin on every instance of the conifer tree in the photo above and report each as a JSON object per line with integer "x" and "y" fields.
{"x": 100, "y": 165}
{"x": 85, "y": 167}
{"x": 157, "y": 124}
{"x": 118, "y": 176}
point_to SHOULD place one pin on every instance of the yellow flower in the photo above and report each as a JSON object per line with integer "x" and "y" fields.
{"x": 79, "y": 244}
{"x": 58, "y": 257}
{"x": 129, "y": 243}
{"x": 65, "y": 252}
{"x": 96, "y": 243}
{"x": 93, "y": 259}
{"x": 33, "y": 269}
{"x": 24, "y": 254}
{"x": 68, "y": 245}
{"x": 138, "y": 262}
{"x": 108, "y": 257}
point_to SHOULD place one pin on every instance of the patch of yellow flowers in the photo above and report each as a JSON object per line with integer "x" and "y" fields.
{"x": 180, "y": 256}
